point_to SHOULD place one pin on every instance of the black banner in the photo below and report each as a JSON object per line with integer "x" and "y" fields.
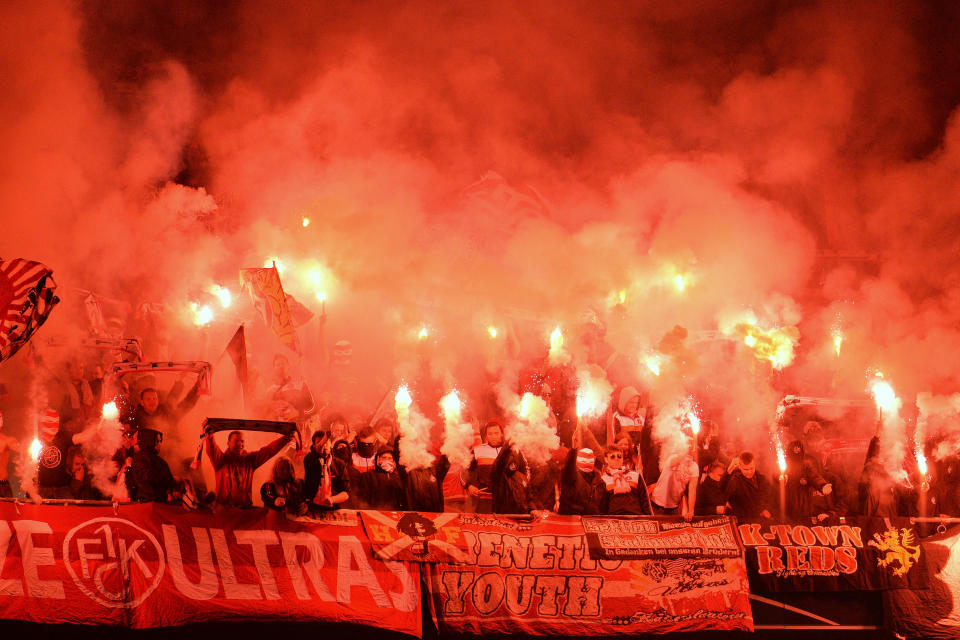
{"x": 857, "y": 554}
{"x": 661, "y": 538}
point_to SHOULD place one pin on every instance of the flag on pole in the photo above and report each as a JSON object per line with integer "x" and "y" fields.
{"x": 266, "y": 291}
{"x": 237, "y": 350}
{"x": 26, "y": 299}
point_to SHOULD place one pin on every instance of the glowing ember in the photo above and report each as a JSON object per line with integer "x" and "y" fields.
{"x": 837, "y": 342}
{"x": 305, "y": 222}
{"x": 921, "y": 461}
{"x": 322, "y": 296}
{"x": 201, "y": 315}
{"x": 422, "y": 335}
{"x": 653, "y": 363}
{"x": 884, "y": 396}
{"x": 680, "y": 282}
{"x": 558, "y": 355}
{"x": 224, "y": 295}
{"x": 622, "y": 296}
{"x": 781, "y": 459}
{"x": 492, "y": 331}
{"x": 110, "y": 411}
{"x": 775, "y": 345}
{"x": 525, "y": 402}
{"x": 35, "y": 447}
{"x": 402, "y": 400}
{"x": 451, "y": 406}
{"x": 315, "y": 277}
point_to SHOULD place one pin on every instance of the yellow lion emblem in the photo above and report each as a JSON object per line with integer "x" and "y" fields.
{"x": 900, "y": 547}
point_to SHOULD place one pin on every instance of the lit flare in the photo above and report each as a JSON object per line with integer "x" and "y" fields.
{"x": 452, "y": 406}
{"x": 775, "y": 345}
{"x": 222, "y": 294}
{"x": 202, "y": 315}
{"x": 110, "y": 411}
{"x": 35, "y": 448}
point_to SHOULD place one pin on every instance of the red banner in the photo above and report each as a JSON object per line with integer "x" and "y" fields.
{"x": 415, "y": 537}
{"x": 537, "y": 578}
{"x": 152, "y": 565}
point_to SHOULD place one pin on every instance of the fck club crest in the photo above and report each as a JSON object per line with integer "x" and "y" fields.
{"x": 113, "y": 561}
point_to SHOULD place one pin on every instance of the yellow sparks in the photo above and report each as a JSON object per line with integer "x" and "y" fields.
{"x": 622, "y": 296}
{"x": 35, "y": 447}
{"x": 305, "y": 222}
{"x": 680, "y": 282}
{"x": 653, "y": 363}
{"x": 775, "y": 345}
{"x": 492, "y": 331}
{"x": 422, "y": 335}
{"x": 322, "y": 296}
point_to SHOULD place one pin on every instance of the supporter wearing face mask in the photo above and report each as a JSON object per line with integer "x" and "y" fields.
{"x": 383, "y": 487}
{"x": 363, "y": 460}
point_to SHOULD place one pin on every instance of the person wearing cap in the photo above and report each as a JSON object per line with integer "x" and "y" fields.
{"x": 150, "y": 478}
{"x": 582, "y": 490}
{"x": 803, "y": 481}
{"x": 484, "y": 455}
{"x": 326, "y": 483}
{"x": 7, "y": 444}
{"x": 625, "y": 495}
{"x": 382, "y": 487}
{"x": 234, "y": 467}
{"x": 676, "y": 490}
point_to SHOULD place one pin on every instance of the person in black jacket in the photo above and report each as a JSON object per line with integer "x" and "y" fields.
{"x": 582, "y": 490}
{"x": 748, "y": 494}
{"x": 710, "y": 498}
{"x": 804, "y": 481}
{"x": 423, "y": 486}
{"x": 150, "y": 475}
{"x": 509, "y": 482}
{"x": 326, "y": 484}
{"x": 382, "y": 486}
{"x": 283, "y": 492}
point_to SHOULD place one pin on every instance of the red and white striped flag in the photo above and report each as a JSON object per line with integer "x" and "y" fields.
{"x": 26, "y": 299}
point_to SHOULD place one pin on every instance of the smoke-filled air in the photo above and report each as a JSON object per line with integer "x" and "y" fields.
{"x": 531, "y": 206}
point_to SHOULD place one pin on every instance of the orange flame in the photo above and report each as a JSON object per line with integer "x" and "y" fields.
{"x": 35, "y": 448}
{"x": 775, "y": 345}
{"x": 201, "y": 315}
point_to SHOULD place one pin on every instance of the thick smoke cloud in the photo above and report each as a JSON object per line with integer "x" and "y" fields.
{"x": 516, "y": 166}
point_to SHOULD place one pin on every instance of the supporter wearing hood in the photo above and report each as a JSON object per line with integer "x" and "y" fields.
{"x": 804, "y": 480}
{"x": 383, "y": 487}
{"x": 510, "y": 481}
{"x": 150, "y": 478}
